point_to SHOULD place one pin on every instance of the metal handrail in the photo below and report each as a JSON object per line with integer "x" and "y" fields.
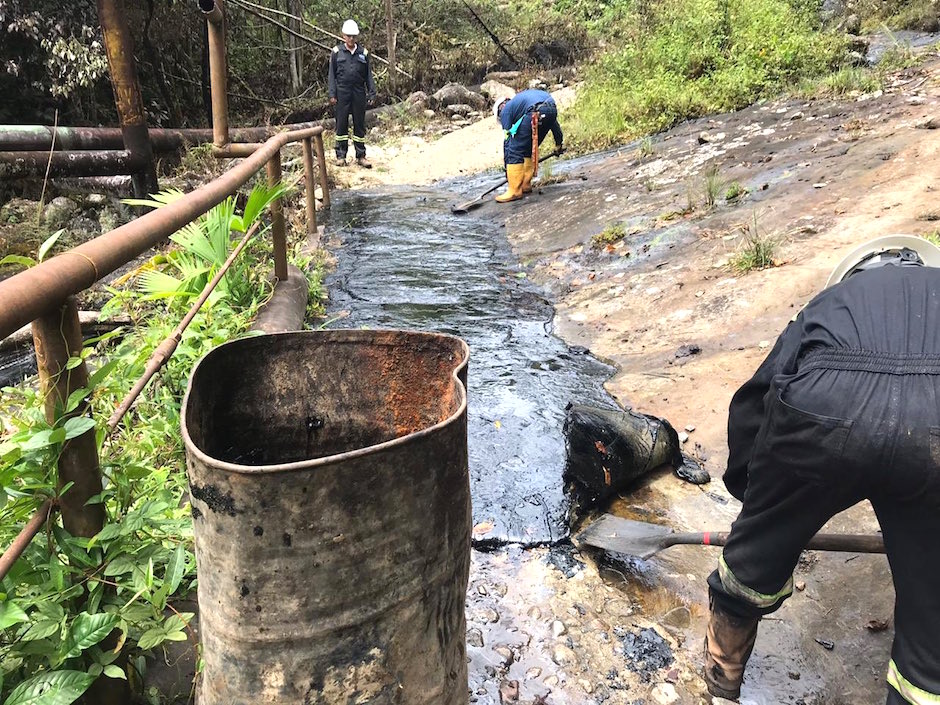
{"x": 38, "y": 290}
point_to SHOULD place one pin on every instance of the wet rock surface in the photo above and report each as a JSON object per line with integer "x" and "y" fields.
{"x": 403, "y": 261}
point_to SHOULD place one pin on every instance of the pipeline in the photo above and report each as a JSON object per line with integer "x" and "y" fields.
{"x": 27, "y": 138}
{"x": 98, "y": 162}
{"x": 36, "y": 291}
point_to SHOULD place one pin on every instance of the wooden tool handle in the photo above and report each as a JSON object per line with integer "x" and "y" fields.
{"x": 849, "y": 543}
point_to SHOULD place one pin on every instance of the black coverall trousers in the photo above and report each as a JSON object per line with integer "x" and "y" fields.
{"x": 848, "y": 425}
{"x": 351, "y": 101}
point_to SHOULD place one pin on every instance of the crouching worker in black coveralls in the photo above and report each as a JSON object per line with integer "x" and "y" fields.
{"x": 846, "y": 407}
{"x": 350, "y": 87}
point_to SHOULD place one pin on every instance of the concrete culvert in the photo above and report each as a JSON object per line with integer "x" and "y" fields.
{"x": 331, "y": 505}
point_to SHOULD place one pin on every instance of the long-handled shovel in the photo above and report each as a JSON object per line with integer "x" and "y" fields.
{"x": 467, "y": 206}
{"x": 638, "y": 538}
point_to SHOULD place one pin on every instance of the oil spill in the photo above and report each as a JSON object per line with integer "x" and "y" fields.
{"x": 214, "y": 499}
{"x": 405, "y": 261}
{"x": 645, "y": 652}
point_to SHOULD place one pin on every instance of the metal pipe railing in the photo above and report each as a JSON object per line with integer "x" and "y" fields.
{"x": 36, "y": 291}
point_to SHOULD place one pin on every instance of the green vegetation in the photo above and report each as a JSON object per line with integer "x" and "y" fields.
{"x": 645, "y": 149}
{"x": 735, "y": 191}
{"x": 685, "y": 58}
{"x": 76, "y": 609}
{"x": 756, "y": 251}
{"x": 900, "y": 14}
{"x": 712, "y": 185}
{"x": 613, "y": 233}
{"x": 845, "y": 81}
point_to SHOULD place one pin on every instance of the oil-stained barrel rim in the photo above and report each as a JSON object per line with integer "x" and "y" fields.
{"x": 345, "y": 335}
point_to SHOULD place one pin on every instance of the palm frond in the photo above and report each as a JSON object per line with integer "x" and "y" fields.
{"x": 156, "y": 200}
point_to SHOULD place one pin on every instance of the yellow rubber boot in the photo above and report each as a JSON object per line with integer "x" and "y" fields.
{"x": 514, "y": 176}
{"x": 527, "y": 176}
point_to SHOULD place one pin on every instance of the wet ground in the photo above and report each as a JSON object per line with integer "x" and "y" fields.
{"x": 403, "y": 261}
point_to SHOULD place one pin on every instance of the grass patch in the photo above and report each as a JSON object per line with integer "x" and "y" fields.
{"x": 712, "y": 184}
{"x": 756, "y": 251}
{"x": 547, "y": 176}
{"x": 645, "y": 149}
{"x": 846, "y": 81}
{"x": 735, "y": 191}
{"x": 613, "y": 233}
{"x": 932, "y": 236}
{"x": 686, "y": 58}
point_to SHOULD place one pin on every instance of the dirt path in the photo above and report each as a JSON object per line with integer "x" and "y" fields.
{"x": 820, "y": 176}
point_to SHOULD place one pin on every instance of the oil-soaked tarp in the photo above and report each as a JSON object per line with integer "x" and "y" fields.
{"x": 405, "y": 261}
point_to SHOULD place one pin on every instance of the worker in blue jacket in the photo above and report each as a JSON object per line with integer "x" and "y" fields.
{"x": 350, "y": 87}
{"x": 528, "y": 114}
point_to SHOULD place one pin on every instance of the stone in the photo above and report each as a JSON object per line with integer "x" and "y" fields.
{"x": 852, "y": 24}
{"x": 618, "y": 608}
{"x": 454, "y": 93}
{"x": 586, "y": 685}
{"x": 506, "y": 657}
{"x": 429, "y": 113}
{"x": 94, "y": 200}
{"x": 703, "y": 138}
{"x": 534, "y": 612}
{"x": 798, "y": 115}
{"x": 678, "y": 617}
{"x": 419, "y": 99}
{"x": 559, "y": 628}
{"x": 18, "y": 210}
{"x": 563, "y": 656}
{"x": 108, "y": 219}
{"x": 683, "y": 436}
{"x": 475, "y": 638}
{"x": 481, "y": 589}
{"x": 502, "y": 76}
{"x": 550, "y": 681}
{"x": 537, "y": 83}
{"x": 533, "y": 673}
{"x": 664, "y": 693}
{"x": 496, "y": 91}
{"x": 59, "y": 212}
{"x": 461, "y": 109}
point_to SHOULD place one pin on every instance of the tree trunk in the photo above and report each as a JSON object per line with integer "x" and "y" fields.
{"x": 392, "y": 40}
{"x": 295, "y": 56}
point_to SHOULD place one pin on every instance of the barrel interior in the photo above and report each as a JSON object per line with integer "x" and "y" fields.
{"x": 292, "y": 397}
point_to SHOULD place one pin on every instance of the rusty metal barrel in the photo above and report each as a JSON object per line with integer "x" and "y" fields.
{"x": 331, "y": 512}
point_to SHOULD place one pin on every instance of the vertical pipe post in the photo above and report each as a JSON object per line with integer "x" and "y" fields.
{"x": 321, "y": 168}
{"x": 127, "y": 99}
{"x": 309, "y": 189}
{"x": 58, "y": 337}
{"x": 278, "y": 234}
{"x": 218, "y": 69}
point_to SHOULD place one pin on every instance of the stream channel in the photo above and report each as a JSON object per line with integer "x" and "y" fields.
{"x": 405, "y": 261}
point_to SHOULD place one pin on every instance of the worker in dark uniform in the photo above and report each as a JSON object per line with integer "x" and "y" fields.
{"x": 350, "y": 87}
{"x": 516, "y": 117}
{"x": 846, "y": 407}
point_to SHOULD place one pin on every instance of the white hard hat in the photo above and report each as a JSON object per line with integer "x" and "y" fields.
{"x": 350, "y": 28}
{"x": 901, "y": 250}
{"x": 498, "y": 104}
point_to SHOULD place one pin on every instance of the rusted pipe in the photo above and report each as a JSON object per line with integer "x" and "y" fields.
{"x": 278, "y": 234}
{"x": 165, "y": 350}
{"x": 38, "y": 290}
{"x": 321, "y": 169}
{"x": 218, "y": 72}
{"x": 86, "y": 163}
{"x": 127, "y": 99}
{"x": 234, "y": 151}
{"x": 57, "y": 337}
{"x": 211, "y": 11}
{"x": 310, "y": 197}
{"x": 22, "y": 138}
{"x": 27, "y": 534}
